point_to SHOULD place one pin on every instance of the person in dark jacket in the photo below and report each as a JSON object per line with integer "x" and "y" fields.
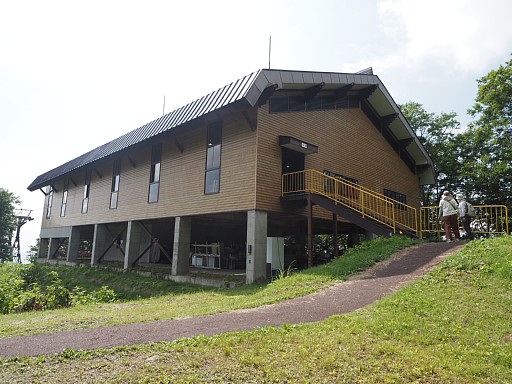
{"x": 463, "y": 213}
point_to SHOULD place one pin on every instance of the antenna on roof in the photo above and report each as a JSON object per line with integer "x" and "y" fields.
{"x": 163, "y": 109}
{"x": 269, "y": 50}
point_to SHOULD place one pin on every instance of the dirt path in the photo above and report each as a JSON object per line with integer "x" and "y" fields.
{"x": 360, "y": 290}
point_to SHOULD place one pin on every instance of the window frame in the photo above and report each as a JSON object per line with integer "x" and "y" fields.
{"x": 64, "y": 198}
{"x": 50, "y": 201}
{"x": 87, "y": 191}
{"x": 213, "y": 161}
{"x": 116, "y": 179}
{"x": 155, "y": 174}
{"x": 397, "y": 196}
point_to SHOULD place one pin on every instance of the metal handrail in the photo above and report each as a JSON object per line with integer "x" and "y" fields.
{"x": 490, "y": 220}
{"x": 368, "y": 203}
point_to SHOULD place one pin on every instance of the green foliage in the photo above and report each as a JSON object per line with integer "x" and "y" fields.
{"x": 29, "y": 287}
{"x": 437, "y": 134}
{"x": 493, "y": 105}
{"x": 485, "y": 151}
{"x": 453, "y": 326}
{"x": 478, "y": 160}
{"x": 7, "y": 223}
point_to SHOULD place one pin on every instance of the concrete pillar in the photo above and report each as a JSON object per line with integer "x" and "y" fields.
{"x": 43, "y": 250}
{"x": 181, "y": 248}
{"x": 368, "y": 236}
{"x": 353, "y": 239}
{"x": 137, "y": 239}
{"x": 256, "y": 259}
{"x": 53, "y": 247}
{"x": 99, "y": 242}
{"x": 73, "y": 244}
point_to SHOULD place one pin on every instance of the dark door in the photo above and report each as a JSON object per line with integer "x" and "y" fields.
{"x": 292, "y": 161}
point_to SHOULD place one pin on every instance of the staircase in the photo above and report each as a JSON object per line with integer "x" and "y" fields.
{"x": 368, "y": 209}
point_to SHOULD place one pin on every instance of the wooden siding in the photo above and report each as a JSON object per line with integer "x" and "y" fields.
{"x": 348, "y": 144}
{"x": 181, "y": 191}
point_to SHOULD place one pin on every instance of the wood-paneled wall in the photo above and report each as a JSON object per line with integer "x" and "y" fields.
{"x": 348, "y": 144}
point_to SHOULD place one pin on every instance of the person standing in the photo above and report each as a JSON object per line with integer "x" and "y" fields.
{"x": 448, "y": 210}
{"x": 464, "y": 215}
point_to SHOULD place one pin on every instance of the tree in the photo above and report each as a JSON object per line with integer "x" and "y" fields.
{"x": 486, "y": 147}
{"x": 436, "y": 134}
{"x": 7, "y": 222}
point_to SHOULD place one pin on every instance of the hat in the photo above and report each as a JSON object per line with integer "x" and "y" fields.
{"x": 459, "y": 196}
{"x": 446, "y": 193}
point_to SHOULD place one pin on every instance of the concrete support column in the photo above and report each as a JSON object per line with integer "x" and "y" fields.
{"x": 369, "y": 236}
{"x": 256, "y": 259}
{"x": 53, "y": 247}
{"x": 43, "y": 250}
{"x": 73, "y": 244}
{"x": 136, "y": 241}
{"x": 99, "y": 242}
{"x": 353, "y": 239}
{"x": 335, "y": 235}
{"x": 181, "y": 248}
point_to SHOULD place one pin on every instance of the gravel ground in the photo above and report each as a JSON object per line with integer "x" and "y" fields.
{"x": 358, "y": 291}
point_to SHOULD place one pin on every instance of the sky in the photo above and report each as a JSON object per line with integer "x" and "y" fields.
{"x": 75, "y": 75}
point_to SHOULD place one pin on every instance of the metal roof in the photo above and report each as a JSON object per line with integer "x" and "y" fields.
{"x": 250, "y": 88}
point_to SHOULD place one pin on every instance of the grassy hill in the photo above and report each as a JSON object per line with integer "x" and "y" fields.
{"x": 453, "y": 326}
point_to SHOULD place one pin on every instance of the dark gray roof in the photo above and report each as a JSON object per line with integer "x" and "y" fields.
{"x": 250, "y": 88}
{"x": 215, "y": 100}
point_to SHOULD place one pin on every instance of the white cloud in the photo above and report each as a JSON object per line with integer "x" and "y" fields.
{"x": 465, "y": 36}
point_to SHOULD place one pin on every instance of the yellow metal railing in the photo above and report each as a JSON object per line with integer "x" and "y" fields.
{"x": 490, "y": 220}
{"x": 368, "y": 203}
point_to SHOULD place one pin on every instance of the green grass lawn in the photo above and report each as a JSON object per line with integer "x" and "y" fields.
{"x": 160, "y": 299}
{"x": 453, "y": 326}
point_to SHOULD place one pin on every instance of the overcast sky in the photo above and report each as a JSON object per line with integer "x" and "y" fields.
{"x": 74, "y": 75}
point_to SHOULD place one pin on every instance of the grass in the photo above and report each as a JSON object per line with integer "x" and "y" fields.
{"x": 172, "y": 300}
{"x": 453, "y": 326}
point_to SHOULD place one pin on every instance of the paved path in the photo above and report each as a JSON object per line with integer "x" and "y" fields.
{"x": 360, "y": 290}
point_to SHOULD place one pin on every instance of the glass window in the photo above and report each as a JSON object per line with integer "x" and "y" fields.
{"x": 50, "y": 202}
{"x": 64, "y": 199}
{"x": 400, "y": 197}
{"x": 212, "y": 181}
{"x": 317, "y": 103}
{"x": 87, "y": 189}
{"x": 154, "y": 176}
{"x": 213, "y": 154}
{"x": 116, "y": 176}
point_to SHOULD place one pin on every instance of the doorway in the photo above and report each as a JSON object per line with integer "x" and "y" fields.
{"x": 292, "y": 161}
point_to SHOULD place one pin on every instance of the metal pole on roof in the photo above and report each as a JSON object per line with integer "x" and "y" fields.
{"x": 269, "y": 50}
{"x": 163, "y": 109}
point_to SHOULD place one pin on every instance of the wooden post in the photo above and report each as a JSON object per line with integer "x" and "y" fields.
{"x": 310, "y": 232}
{"x": 335, "y": 234}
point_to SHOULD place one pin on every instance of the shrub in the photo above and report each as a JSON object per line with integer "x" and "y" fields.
{"x": 32, "y": 288}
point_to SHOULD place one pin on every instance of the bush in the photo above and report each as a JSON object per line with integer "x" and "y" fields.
{"x": 27, "y": 287}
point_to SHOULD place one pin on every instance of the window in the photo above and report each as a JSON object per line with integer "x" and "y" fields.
{"x": 317, "y": 103}
{"x": 64, "y": 198}
{"x": 87, "y": 189}
{"x": 400, "y": 197}
{"x": 114, "y": 191}
{"x": 154, "y": 177}
{"x": 50, "y": 202}
{"x": 213, "y": 150}
{"x": 347, "y": 189}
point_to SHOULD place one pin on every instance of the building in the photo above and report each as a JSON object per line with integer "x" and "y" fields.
{"x": 276, "y": 154}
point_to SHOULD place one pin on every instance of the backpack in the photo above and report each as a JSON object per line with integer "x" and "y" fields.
{"x": 471, "y": 210}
